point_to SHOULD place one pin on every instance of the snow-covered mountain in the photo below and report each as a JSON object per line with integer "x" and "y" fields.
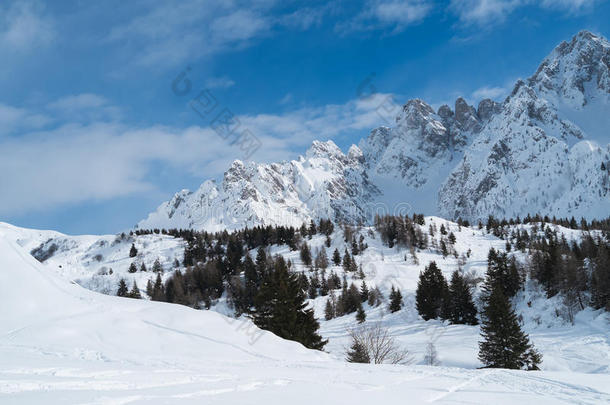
{"x": 325, "y": 183}
{"x": 539, "y": 151}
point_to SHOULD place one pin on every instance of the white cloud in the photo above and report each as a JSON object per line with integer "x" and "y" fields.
{"x": 168, "y": 34}
{"x": 569, "y": 5}
{"x": 77, "y": 163}
{"x": 483, "y": 12}
{"x": 394, "y": 15}
{"x": 85, "y": 107}
{"x": 23, "y": 26}
{"x": 14, "y": 118}
{"x": 488, "y": 12}
{"x": 222, "y": 82}
{"x": 494, "y": 93}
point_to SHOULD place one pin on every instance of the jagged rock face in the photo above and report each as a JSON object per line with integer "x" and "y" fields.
{"x": 325, "y": 183}
{"x": 533, "y": 156}
{"x": 539, "y": 151}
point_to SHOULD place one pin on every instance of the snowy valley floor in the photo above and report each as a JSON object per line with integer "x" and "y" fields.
{"x": 61, "y": 343}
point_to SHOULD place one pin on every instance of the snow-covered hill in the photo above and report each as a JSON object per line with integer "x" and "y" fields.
{"x": 580, "y": 347}
{"x": 62, "y": 343}
{"x": 539, "y": 151}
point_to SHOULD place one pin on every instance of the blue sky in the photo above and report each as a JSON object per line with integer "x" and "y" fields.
{"x": 93, "y": 135}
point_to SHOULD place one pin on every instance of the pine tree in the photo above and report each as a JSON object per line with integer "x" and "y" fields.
{"x": 329, "y": 310}
{"x": 280, "y": 307}
{"x": 463, "y": 310}
{"x": 122, "y": 291}
{"x": 431, "y": 292}
{"x": 358, "y": 354}
{"x": 133, "y": 252}
{"x": 135, "y": 291}
{"x": 504, "y": 344}
{"x": 149, "y": 288}
{"x": 158, "y": 290}
{"x": 395, "y": 300}
{"x": 305, "y": 254}
{"x": 336, "y": 257}
{"x": 347, "y": 261}
{"x": 360, "y": 314}
{"x": 132, "y": 268}
{"x": 157, "y": 268}
{"x": 143, "y": 267}
{"x": 364, "y": 292}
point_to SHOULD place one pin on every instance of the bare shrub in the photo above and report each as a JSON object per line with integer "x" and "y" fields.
{"x": 379, "y": 345}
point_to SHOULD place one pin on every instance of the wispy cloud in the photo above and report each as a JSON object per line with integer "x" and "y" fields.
{"x": 392, "y": 15}
{"x": 488, "y": 12}
{"x": 85, "y": 107}
{"x": 99, "y": 161}
{"x": 24, "y": 26}
{"x": 222, "y": 82}
{"x": 494, "y": 93}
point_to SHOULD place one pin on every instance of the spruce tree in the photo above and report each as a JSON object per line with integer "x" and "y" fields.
{"x": 360, "y": 314}
{"x": 133, "y": 252}
{"x": 158, "y": 289}
{"x": 329, "y": 310}
{"x": 431, "y": 291}
{"x": 157, "y": 268}
{"x": 358, "y": 354}
{"x": 132, "y": 268}
{"x": 364, "y": 292}
{"x": 135, "y": 291}
{"x": 504, "y": 344}
{"x": 463, "y": 310}
{"x": 280, "y": 307}
{"x": 305, "y": 254}
{"x": 122, "y": 291}
{"x": 336, "y": 257}
{"x": 395, "y": 300}
{"x": 149, "y": 288}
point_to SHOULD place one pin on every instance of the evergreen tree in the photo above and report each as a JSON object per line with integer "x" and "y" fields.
{"x": 364, "y": 292}
{"x": 336, "y": 257}
{"x": 395, "y": 300}
{"x": 158, "y": 289}
{"x": 463, "y": 310}
{"x": 149, "y": 288}
{"x": 143, "y": 267}
{"x": 135, "y": 291}
{"x": 329, "y": 310}
{"x": 504, "y": 344}
{"x": 133, "y": 252}
{"x": 360, "y": 314}
{"x": 122, "y": 291}
{"x": 157, "y": 268}
{"x": 305, "y": 254}
{"x": 347, "y": 261}
{"x": 431, "y": 291}
{"x": 132, "y": 268}
{"x": 280, "y": 307}
{"x": 358, "y": 353}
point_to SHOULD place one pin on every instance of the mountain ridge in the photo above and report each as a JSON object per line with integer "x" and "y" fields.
{"x": 539, "y": 151}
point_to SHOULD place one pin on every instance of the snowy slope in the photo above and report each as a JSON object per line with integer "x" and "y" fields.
{"x": 60, "y": 343}
{"x": 539, "y": 151}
